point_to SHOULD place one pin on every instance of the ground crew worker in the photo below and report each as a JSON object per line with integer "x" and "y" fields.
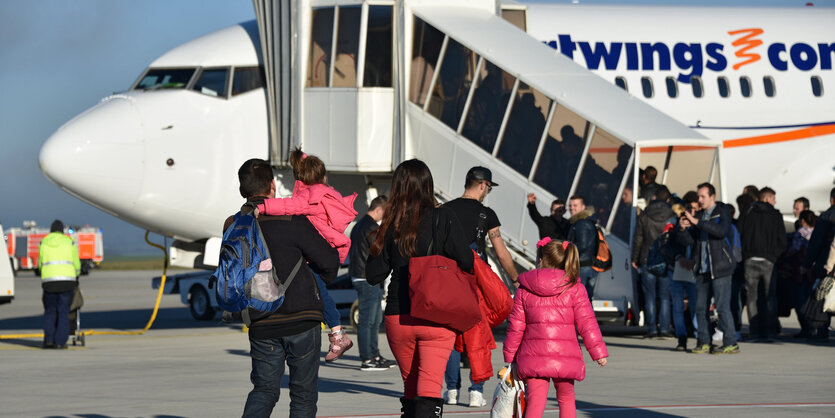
{"x": 59, "y": 266}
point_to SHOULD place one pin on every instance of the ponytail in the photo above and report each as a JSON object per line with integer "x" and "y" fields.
{"x": 561, "y": 255}
{"x": 308, "y": 169}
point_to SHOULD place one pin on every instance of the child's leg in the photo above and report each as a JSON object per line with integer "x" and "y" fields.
{"x": 565, "y": 397}
{"x": 536, "y": 395}
{"x": 332, "y": 318}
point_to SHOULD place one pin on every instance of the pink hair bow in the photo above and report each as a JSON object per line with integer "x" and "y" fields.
{"x": 543, "y": 242}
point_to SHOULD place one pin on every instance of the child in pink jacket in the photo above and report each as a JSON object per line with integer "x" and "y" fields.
{"x": 541, "y": 337}
{"x": 330, "y": 214}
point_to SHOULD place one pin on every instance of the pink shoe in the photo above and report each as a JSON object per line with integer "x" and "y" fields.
{"x": 340, "y": 343}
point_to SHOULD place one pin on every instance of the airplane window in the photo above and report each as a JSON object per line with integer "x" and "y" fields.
{"x": 213, "y": 82}
{"x": 524, "y": 129}
{"x": 698, "y": 88}
{"x": 672, "y": 87}
{"x": 162, "y": 78}
{"x": 426, "y": 47}
{"x": 453, "y": 84}
{"x": 378, "y": 55}
{"x": 646, "y": 85}
{"x": 347, "y": 47}
{"x": 623, "y": 215}
{"x": 745, "y": 86}
{"x": 561, "y": 154}
{"x": 768, "y": 85}
{"x": 724, "y": 87}
{"x": 488, "y": 106}
{"x": 515, "y": 17}
{"x": 817, "y": 86}
{"x": 247, "y": 79}
{"x": 603, "y": 172}
{"x": 621, "y": 82}
{"x": 321, "y": 41}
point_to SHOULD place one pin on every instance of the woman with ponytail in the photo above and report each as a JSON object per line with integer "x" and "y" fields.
{"x": 541, "y": 337}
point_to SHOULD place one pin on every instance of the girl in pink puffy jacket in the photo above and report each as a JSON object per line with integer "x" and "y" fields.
{"x": 541, "y": 337}
{"x": 330, "y": 214}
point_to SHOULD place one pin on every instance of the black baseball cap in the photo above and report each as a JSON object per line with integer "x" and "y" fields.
{"x": 481, "y": 173}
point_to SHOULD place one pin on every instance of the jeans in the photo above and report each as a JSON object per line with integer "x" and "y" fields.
{"x": 56, "y": 317}
{"x": 762, "y": 298}
{"x": 332, "y": 316}
{"x": 678, "y": 291}
{"x": 656, "y": 286}
{"x": 721, "y": 287}
{"x": 452, "y": 376}
{"x": 371, "y": 316}
{"x": 589, "y": 278}
{"x": 301, "y": 352}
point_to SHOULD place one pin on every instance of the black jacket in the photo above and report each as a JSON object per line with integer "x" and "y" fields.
{"x": 648, "y": 227}
{"x": 762, "y": 232}
{"x": 718, "y": 228}
{"x": 819, "y": 244}
{"x": 288, "y": 238}
{"x": 583, "y": 234}
{"x": 360, "y": 244}
{"x": 449, "y": 242}
{"x": 549, "y": 226}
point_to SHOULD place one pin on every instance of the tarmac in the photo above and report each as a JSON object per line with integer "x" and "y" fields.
{"x": 187, "y": 368}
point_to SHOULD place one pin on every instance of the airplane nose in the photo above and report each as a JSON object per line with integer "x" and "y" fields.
{"x": 98, "y": 155}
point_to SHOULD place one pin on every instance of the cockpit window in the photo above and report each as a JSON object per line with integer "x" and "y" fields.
{"x": 165, "y": 78}
{"x": 247, "y": 79}
{"x": 213, "y": 82}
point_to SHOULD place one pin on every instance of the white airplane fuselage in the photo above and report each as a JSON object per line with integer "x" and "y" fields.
{"x": 165, "y": 158}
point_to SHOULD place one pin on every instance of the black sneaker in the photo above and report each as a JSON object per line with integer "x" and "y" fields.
{"x": 682, "y": 344}
{"x": 372, "y": 365}
{"x": 384, "y": 362}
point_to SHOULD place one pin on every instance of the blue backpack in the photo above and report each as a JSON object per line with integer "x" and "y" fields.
{"x": 735, "y": 244}
{"x": 245, "y": 275}
{"x": 660, "y": 258}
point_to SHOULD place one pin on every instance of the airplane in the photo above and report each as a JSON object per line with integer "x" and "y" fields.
{"x": 365, "y": 85}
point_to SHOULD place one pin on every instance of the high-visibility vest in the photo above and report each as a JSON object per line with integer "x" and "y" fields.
{"x": 58, "y": 258}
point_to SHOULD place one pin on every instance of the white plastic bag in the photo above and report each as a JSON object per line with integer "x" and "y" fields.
{"x": 508, "y": 399}
{"x": 829, "y": 300}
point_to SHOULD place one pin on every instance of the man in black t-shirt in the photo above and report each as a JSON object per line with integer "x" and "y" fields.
{"x": 478, "y": 223}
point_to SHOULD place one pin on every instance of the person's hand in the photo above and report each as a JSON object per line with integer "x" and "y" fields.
{"x": 602, "y": 362}
{"x": 691, "y": 218}
{"x": 531, "y": 198}
{"x": 516, "y": 283}
{"x": 635, "y": 265}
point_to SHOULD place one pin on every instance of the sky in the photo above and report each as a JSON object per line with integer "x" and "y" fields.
{"x": 60, "y": 57}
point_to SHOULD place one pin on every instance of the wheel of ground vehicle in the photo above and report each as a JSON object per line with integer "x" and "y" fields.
{"x": 355, "y": 314}
{"x": 199, "y": 304}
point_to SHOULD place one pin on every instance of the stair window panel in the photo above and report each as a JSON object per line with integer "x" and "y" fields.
{"x": 602, "y": 173}
{"x": 321, "y": 44}
{"x": 488, "y": 106}
{"x": 426, "y": 47}
{"x": 378, "y": 48}
{"x": 562, "y": 151}
{"x": 455, "y": 77}
{"x": 524, "y": 129}
{"x": 347, "y": 47}
{"x": 622, "y": 225}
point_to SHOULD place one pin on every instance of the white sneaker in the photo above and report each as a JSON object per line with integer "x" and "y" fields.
{"x": 477, "y": 399}
{"x": 451, "y": 397}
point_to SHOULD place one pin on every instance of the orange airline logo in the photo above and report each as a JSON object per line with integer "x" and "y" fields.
{"x": 747, "y": 42}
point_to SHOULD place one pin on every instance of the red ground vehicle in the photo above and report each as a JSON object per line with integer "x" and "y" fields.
{"x": 23, "y": 246}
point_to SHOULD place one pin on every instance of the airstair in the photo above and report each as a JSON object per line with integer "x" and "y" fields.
{"x": 456, "y": 85}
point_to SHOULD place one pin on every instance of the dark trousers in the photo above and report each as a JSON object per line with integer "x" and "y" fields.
{"x": 762, "y": 298}
{"x": 301, "y": 352}
{"x": 721, "y": 287}
{"x": 56, "y": 317}
{"x": 371, "y": 316}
